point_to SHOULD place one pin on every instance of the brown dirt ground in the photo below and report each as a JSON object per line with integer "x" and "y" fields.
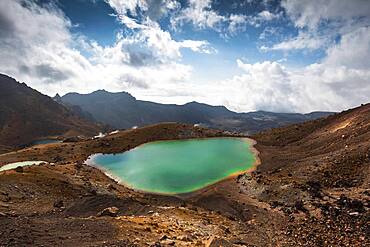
{"x": 311, "y": 189}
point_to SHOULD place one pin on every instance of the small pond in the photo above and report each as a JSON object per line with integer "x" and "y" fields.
{"x": 44, "y": 141}
{"x": 176, "y": 167}
{"x": 16, "y": 164}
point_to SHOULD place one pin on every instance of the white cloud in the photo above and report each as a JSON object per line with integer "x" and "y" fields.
{"x": 340, "y": 81}
{"x": 162, "y": 43}
{"x": 154, "y": 9}
{"x": 270, "y": 86}
{"x": 200, "y": 14}
{"x": 130, "y": 23}
{"x": 320, "y": 22}
{"x": 197, "y": 46}
{"x": 122, "y": 7}
{"x": 262, "y": 17}
{"x": 267, "y": 15}
{"x": 268, "y": 31}
{"x": 352, "y": 51}
{"x": 237, "y": 23}
{"x": 37, "y": 47}
{"x": 263, "y": 85}
{"x": 311, "y": 13}
{"x": 24, "y": 45}
{"x": 304, "y": 40}
{"x": 148, "y": 35}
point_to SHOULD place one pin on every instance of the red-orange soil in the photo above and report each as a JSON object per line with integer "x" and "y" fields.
{"x": 311, "y": 189}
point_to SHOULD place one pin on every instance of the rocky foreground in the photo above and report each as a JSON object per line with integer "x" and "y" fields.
{"x": 311, "y": 189}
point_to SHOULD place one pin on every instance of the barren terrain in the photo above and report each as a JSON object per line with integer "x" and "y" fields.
{"x": 311, "y": 189}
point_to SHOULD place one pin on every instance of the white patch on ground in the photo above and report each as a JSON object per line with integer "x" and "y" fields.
{"x": 114, "y": 132}
{"x": 101, "y": 135}
{"x": 23, "y": 163}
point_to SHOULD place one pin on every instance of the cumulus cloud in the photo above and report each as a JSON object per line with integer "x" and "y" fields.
{"x": 154, "y": 9}
{"x": 124, "y": 7}
{"x": 308, "y": 13}
{"x": 272, "y": 87}
{"x": 339, "y": 81}
{"x": 258, "y": 80}
{"x": 321, "y": 21}
{"x": 266, "y": 15}
{"x": 149, "y": 46}
{"x": 201, "y": 15}
{"x": 267, "y": 32}
{"x": 25, "y": 46}
{"x": 37, "y": 47}
{"x": 237, "y": 23}
{"x": 352, "y": 51}
{"x": 150, "y": 40}
{"x": 303, "y": 40}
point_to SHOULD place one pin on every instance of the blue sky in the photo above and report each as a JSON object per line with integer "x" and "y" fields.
{"x": 288, "y": 55}
{"x": 93, "y": 19}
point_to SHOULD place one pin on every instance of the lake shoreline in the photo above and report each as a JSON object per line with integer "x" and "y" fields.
{"x": 65, "y": 199}
{"x": 251, "y": 146}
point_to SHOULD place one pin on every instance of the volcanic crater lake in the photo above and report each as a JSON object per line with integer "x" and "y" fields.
{"x": 176, "y": 167}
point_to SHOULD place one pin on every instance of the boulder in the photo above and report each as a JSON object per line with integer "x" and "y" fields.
{"x": 111, "y": 211}
{"x": 19, "y": 169}
{"x": 58, "y": 204}
{"x": 219, "y": 242}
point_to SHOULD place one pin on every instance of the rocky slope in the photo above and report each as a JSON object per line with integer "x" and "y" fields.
{"x": 320, "y": 169}
{"x": 122, "y": 110}
{"x": 311, "y": 189}
{"x": 26, "y": 115}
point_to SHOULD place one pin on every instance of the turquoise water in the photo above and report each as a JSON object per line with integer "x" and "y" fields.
{"x": 45, "y": 141}
{"x": 175, "y": 167}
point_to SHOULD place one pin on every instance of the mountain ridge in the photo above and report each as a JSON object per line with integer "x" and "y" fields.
{"x": 107, "y": 107}
{"x": 311, "y": 184}
{"x": 27, "y": 115}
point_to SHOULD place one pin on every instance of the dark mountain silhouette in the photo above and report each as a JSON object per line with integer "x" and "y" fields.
{"x": 122, "y": 110}
{"x": 26, "y": 115}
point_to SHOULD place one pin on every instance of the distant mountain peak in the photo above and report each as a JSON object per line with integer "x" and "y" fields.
{"x": 120, "y": 95}
{"x": 26, "y": 114}
{"x": 57, "y": 98}
{"x": 196, "y": 103}
{"x": 101, "y": 91}
{"x": 121, "y": 110}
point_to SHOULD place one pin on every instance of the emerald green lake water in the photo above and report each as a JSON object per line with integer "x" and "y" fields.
{"x": 175, "y": 167}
